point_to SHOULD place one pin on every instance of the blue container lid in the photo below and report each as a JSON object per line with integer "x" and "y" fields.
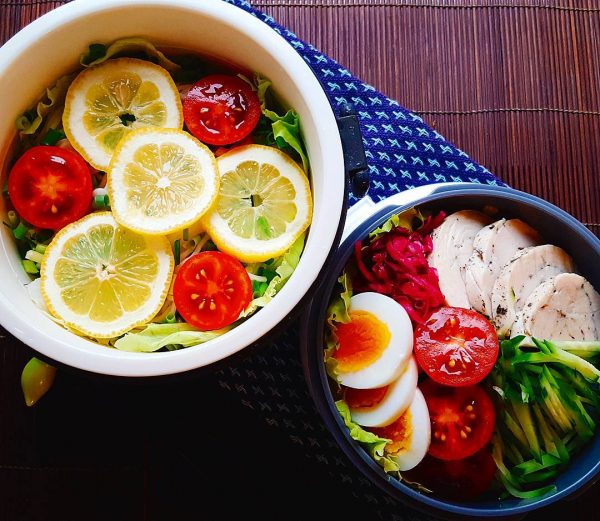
{"x": 556, "y": 227}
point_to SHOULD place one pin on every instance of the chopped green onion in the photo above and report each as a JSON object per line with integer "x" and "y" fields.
{"x": 20, "y": 231}
{"x": 40, "y": 248}
{"x": 101, "y": 202}
{"x": 34, "y": 256}
{"x": 186, "y": 234}
{"x": 43, "y": 236}
{"x": 13, "y": 219}
{"x": 95, "y": 52}
{"x": 259, "y": 288}
{"x": 53, "y": 136}
{"x": 209, "y": 246}
{"x": 171, "y": 318}
{"x": 267, "y": 274}
{"x": 30, "y": 267}
{"x": 177, "y": 251}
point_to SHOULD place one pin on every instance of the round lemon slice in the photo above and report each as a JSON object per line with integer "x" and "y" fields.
{"x": 102, "y": 279}
{"x": 264, "y": 203}
{"x": 106, "y": 102}
{"x": 161, "y": 180}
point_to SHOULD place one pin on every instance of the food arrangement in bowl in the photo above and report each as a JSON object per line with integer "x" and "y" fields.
{"x": 158, "y": 199}
{"x": 462, "y": 353}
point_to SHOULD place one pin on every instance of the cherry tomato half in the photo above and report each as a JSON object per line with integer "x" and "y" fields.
{"x": 211, "y": 290}
{"x": 456, "y": 346}
{"x": 50, "y": 187}
{"x": 462, "y": 419}
{"x": 221, "y": 109}
{"x": 456, "y": 480}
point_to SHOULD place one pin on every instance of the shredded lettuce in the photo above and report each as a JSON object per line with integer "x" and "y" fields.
{"x": 410, "y": 219}
{"x": 339, "y": 306}
{"x": 155, "y": 336}
{"x": 48, "y": 109}
{"x": 337, "y": 312}
{"x": 284, "y": 266}
{"x": 372, "y": 443}
{"x": 285, "y": 129}
{"x": 98, "y": 53}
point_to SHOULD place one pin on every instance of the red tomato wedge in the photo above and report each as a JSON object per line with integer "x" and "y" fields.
{"x": 50, "y": 187}
{"x": 456, "y": 346}
{"x": 211, "y": 290}
{"x": 462, "y": 419}
{"x": 457, "y": 480}
{"x": 221, "y": 109}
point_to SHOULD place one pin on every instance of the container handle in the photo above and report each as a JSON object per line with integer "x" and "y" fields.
{"x": 355, "y": 160}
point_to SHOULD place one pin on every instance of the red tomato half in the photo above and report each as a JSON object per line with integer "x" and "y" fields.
{"x": 50, "y": 187}
{"x": 462, "y": 419}
{"x": 221, "y": 109}
{"x": 211, "y": 290}
{"x": 456, "y": 346}
{"x": 456, "y": 480}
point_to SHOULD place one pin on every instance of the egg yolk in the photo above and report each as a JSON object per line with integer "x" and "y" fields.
{"x": 358, "y": 398}
{"x": 361, "y": 341}
{"x": 400, "y": 432}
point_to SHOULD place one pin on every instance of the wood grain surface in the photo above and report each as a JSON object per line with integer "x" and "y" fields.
{"x": 515, "y": 84}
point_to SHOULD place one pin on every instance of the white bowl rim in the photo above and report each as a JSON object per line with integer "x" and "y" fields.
{"x": 118, "y": 363}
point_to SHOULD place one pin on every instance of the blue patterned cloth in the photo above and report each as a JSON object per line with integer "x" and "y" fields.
{"x": 402, "y": 153}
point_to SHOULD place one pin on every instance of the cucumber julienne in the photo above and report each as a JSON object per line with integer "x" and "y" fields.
{"x": 550, "y": 403}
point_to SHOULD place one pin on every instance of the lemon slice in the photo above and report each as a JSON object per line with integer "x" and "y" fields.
{"x": 161, "y": 180}
{"x": 264, "y": 203}
{"x": 106, "y": 102}
{"x": 102, "y": 279}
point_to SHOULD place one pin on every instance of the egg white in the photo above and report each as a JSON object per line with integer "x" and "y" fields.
{"x": 420, "y": 437}
{"x": 398, "y": 398}
{"x": 395, "y": 356}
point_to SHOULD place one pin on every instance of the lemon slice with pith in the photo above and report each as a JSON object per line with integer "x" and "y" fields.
{"x": 264, "y": 203}
{"x": 161, "y": 180}
{"x": 106, "y": 102}
{"x": 102, "y": 279}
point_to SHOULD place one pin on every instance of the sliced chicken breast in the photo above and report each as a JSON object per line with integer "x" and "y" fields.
{"x": 493, "y": 248}
{"x": 565, "y": 307}
{"x": 452, "y": 248}
{"x": 524, "y": 273}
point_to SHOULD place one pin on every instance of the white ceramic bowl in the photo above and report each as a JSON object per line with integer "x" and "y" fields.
{"x": 51, "y": 46}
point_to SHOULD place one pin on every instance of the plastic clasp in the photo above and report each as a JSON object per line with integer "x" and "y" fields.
{"x": 355, "y": 161}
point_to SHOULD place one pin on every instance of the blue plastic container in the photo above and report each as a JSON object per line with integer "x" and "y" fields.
{"x": 556, "y": 227}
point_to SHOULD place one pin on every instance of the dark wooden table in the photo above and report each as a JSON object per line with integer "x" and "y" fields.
{"x": 515, "y": 84}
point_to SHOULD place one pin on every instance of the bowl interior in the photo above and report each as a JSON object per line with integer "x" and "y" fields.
{"x": 556, "y": 227}
{"x": 51, "y": 46}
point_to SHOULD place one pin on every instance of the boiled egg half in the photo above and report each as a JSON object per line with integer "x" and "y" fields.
{"x": 383, "y": 405}
{"x": 410, "y": 434}
{"x": 376, "y": 345}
